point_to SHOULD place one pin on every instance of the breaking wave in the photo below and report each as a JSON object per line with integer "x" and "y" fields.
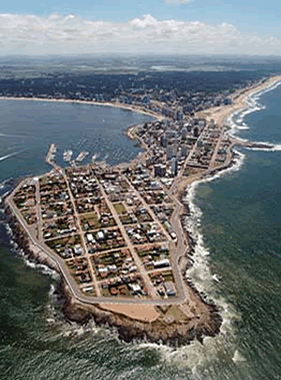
{"x": 236, "y": 120}
{"x": 196, "y": 356}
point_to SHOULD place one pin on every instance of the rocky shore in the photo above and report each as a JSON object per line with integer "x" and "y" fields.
{"x": 174, "y": 325}
{"x": 30, "y": 251}
{"x": 170, "y": 332}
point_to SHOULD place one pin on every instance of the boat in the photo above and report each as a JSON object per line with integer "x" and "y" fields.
{"x": 67, "y": 154}
{"x": 81, "y": 156}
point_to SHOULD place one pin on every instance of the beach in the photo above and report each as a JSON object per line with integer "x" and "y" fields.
{"x": 240, "y": 250}
{"x": 132, "y": 108}
{"x": 239, "y": 101}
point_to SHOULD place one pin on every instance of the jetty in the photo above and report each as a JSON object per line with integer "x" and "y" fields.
{"x": 51, "y": 155}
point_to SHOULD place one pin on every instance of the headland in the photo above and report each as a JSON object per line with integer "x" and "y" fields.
{"x": 115, "y": 234}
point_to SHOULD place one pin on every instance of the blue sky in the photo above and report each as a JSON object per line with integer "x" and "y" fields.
{"x": 250, "y": 14}
{"x": 256, "y": 24}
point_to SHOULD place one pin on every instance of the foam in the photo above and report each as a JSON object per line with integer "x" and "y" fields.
{"x": 207, "y": 283}
{"x": 252, "y": 106}
{"x": 10, "y": 155}
{"x": 197, "y": 355}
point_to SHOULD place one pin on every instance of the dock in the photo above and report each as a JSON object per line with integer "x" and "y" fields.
{"x": 50, "y": 158}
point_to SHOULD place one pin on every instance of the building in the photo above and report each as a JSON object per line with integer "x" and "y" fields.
{"x": 179, "y": 114}
{"x": 170, "y": 288}
{"x": 159, "y": 170}
{"x": 171, "y": 151}
{"x": 188, "y": 127}
{"x": 184, "y": 133}
{"x": 90, "y": 238}
{"x": 161, "y": 263}
{"x": 184, "y": 151}
{"x": 195, "y": 131}
{"x": 171, "y": 134}
{"x": 164, "y": 141}
{"x": 174, "y": 167}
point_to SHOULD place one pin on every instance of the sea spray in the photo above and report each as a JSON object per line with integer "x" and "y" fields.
{"x": 236, "y": 120}
{"x": 197, "y": 356}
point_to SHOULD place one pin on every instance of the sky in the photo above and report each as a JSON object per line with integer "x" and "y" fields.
{"x": 45, "y": 27}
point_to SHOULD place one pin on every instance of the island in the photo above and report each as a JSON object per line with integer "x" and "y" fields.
{"x": 118, "y": 235}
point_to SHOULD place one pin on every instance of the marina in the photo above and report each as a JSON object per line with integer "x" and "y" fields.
{"x": 81, "y": 156}
{"x": 239, "y": 352}
{"x": 67, "y": 154}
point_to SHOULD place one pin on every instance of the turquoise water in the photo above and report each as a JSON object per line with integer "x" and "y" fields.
{"x": 240, "y": 225}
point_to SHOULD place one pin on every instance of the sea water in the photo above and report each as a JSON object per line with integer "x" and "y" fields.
{"x": 236, "y": 220}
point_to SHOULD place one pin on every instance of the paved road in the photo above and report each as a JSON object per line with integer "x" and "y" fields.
{"x": 136, "y": 257}
{"x": 82, "y": 235}
{"x": 73, "y": 286}
{"x": 214, "y": 156}
{"x": 177, "y": 251}
{"x": 39, "y": 213}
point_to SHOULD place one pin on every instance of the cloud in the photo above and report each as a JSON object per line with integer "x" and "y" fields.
{"x": 71, "y": 34}
{"x": 178, "y": 1}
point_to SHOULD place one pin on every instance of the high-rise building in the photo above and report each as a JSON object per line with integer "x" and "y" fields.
{"x": 184, "y": 151}
{"x": 159, "y": 170}
{"x": 195, "y": 131}
{"x": 184, "y": 133}
{"x": 164, "y": 141}
{"x": 171, "y": 151}
{"x": 179, "y": 114}
{"x": 174, "y": 167}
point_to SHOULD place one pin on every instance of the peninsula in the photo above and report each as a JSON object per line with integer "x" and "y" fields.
{"x": 117, "y": 235}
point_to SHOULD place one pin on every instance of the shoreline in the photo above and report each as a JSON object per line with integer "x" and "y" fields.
{"x": 240, "y": 101}
{"x": 131, "y": 108}
{"x": 130, "y": 327}
{"x": 133, "y": 328}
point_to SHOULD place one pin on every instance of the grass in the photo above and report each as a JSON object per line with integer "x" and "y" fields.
{"x": 119, "y": 207}
{"x": 176, "y": 313}
{"x": 126, "y": 219}
{"x": 64, "y": 241}
{"x": 93, "y": 218}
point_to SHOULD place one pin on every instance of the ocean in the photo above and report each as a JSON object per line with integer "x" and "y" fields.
{"x": 235, "y": 218}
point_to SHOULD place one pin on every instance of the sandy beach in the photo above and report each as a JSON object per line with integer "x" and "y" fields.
{"x": 191, "y": 319}
{"x": 132, "y": 108}
{"x": 239, "y": 98}
{"x": 219, "y": 114}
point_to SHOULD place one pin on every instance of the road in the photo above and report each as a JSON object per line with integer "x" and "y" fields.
{"x": 73, "y": 286}
{"x": 136, "y": 257}
{"x": 177, "y": 250}
{"x": 82, "y": 235}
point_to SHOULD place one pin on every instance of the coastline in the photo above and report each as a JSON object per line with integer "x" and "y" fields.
{"x": 132, "y": 322}
{"x": 240, "y": 101}
{"x": 132, "y": 108}
{"x": 130, "y": 328}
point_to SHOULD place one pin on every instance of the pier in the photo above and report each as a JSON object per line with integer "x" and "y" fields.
{"x": 50, "y": 158}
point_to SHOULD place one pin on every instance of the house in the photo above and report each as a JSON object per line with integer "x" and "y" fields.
{"x": 90, "y": 238}
{"x": 170, "y": 288}
{"x": 136, "y": 289}
{"x": 77, "y": 249}
{"x": 100, "y": 235}
{"x": 161, "y": 263}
